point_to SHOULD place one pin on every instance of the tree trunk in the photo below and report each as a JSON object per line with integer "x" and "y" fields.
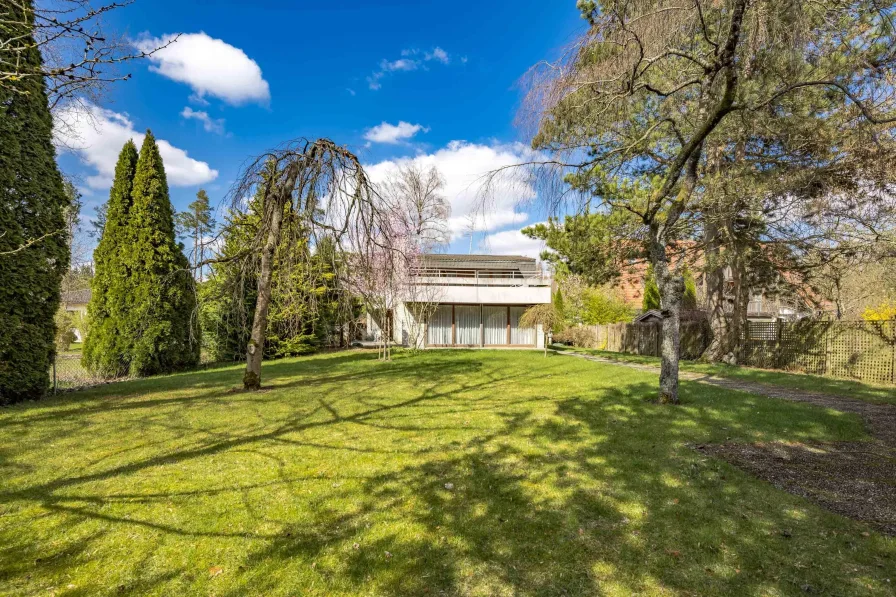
{"x": 671, "y": 285}
{"x": 719, "y": 322}
{"x": 252, "y": 376}
{"x": 196, "y": 251}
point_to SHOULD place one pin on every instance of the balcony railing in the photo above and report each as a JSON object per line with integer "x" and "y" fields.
{"x": 485, "y": 278}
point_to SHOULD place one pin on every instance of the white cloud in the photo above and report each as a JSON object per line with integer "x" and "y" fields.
{"x": 97, "y": 135}
{"x": 211, "y": 125}
{"x": 511, "y": 242}
{"x": 438, "y": 54}
{"x": 209, "y": 66}
{"x": 408, "y": 62}
{"x": 463, "y": 166}
{"x": 400, "y": 64}
{"x": 393, "y": 133}
{"x": 373, "y": 81}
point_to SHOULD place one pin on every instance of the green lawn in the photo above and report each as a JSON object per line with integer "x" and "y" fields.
{"x": 798, "y": 381}
{"x": 444, "y": 473}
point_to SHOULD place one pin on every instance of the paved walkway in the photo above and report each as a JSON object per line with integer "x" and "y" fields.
{"x": 880, "y": 419}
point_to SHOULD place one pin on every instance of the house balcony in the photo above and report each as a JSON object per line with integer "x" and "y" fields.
{"x": 485, "y": 289}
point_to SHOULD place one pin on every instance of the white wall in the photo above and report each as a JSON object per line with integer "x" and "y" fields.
{"x": 496, "y": 295}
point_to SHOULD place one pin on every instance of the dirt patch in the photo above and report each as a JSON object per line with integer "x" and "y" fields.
{"x": 854, "y": 479}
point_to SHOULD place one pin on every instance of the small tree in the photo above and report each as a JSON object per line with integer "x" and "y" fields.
{"x": 651, "y": 299}
{"x": 196, "y": 223}
{"x": 65, "y": 333}
{"x": 559, "y": 304}
{"x": 544, "y": 315}
{"x": 689, "y": 298}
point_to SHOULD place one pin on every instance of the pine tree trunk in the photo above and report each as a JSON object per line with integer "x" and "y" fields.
{"x": 196, "y": 252}
{"x": 255, "y": 350}
{"x": 671, "y": 285}
{"x": 719, "y": 322}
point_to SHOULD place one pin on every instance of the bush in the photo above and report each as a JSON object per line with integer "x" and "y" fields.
{"x": 602, "y": 305}
{"x": 65, "y": 333}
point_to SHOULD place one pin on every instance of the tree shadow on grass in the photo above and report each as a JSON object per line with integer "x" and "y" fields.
{"x": 490, "y": 482}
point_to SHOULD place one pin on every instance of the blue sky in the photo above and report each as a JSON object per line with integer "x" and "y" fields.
{"x": 397, "y": 79}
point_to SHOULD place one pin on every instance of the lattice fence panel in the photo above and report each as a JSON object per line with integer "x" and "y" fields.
{"x": 865, "y": 350}
{"x": 858, "y": 350}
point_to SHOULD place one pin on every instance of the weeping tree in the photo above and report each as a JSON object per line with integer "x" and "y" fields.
{"x": 630, "y": 115}
{"x": 546, "y": 315}
{"x": 323, "y": 186}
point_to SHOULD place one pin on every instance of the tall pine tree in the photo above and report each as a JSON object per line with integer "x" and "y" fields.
{"x": 34, "y": 252}
{"x": 163, "y": 321}
{"x": 108, "y": 348}
{"x": 196, "y": 224}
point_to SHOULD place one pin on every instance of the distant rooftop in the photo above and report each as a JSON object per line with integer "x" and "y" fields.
{"x": 76, "y": 297}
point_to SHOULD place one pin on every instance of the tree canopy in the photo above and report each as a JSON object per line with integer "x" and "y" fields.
{"x": 657, "y": 95}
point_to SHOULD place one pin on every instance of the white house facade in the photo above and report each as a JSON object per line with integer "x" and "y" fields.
{"x": 467, "y": 301}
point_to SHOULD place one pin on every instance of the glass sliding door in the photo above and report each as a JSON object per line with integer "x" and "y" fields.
{"x": 438, "y": 332}
{"x": 520, "y": 336}
{"x": 466, "y": 322}
{"x": 494, "y": 320}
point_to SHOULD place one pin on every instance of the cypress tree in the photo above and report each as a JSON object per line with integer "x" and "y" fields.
{"x": 651, "y": 298}
{"x": 162, "y": 322}
{"x": 108, "y": 348}
{"x": 34, "y": 252}
{"x": 689, "y": 299}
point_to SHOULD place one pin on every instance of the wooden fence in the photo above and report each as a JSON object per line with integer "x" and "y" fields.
{"x": 637, "y": 338}
{"x": 858, "y": 350}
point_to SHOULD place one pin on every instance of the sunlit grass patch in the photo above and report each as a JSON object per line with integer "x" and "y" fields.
{"x": 448, "y": 472}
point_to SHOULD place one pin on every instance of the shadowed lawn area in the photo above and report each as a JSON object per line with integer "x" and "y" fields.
{"x": 444, "y": 473}
{"x": 882, "y": 394}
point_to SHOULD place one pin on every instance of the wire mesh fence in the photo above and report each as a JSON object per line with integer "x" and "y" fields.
{"x": 67, "y": 373}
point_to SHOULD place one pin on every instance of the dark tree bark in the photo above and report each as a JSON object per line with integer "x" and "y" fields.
{"x": 719, "y": 321}
{"x": 275, "y": 202}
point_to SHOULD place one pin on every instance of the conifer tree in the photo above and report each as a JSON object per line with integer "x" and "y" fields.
{"x": 162, "y": 322}
{"x": 108, "y": 347}
{"x": 34, "y": 252}
{"x": 651, "y": 299}
{"x": 689, "y": 298}
{"x": 196, "y": 223}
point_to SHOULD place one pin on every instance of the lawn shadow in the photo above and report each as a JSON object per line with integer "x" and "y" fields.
{"x": 447, "y": 475}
